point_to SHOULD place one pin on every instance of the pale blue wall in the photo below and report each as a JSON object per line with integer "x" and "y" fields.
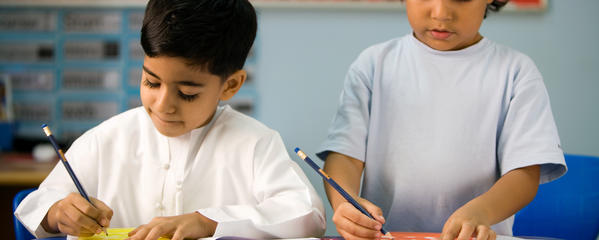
{"x": 304, "y": 54}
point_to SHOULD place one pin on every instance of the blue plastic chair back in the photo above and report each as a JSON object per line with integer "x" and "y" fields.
{"x": 567, "y": 208}
{"x": 21, "y": 233}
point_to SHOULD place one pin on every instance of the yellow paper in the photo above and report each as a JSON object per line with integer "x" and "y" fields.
{"x": 113, "y": 233}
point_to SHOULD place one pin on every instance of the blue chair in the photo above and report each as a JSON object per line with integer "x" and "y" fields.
{"x": 21, "y": 233}
{"x": 567, "y": 208}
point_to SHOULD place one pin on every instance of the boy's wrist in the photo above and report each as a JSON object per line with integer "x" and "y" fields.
{"x": 207, "y": 223}
{"x": 48, "y": 223}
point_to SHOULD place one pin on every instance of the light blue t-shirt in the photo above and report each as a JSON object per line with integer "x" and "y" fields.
{"x": 438, "y": 128}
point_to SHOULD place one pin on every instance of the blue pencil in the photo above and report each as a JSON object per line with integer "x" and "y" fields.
{"x": 334, "y": 184}
{"x": 66, "y": 164}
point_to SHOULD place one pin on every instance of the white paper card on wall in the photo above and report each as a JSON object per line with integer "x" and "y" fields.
{"x": 33, "y": 111}
{"x": 88, "y": 110}
{"x": 91, "y": 50}
{"x": 92, "y": 22}
{"x": 27, "y": 52}
{"x": 32, "y": 80}
{"x": 30, "y": 21}
{"x": 91, "y": 80}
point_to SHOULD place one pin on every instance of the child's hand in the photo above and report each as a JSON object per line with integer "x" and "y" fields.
{"x": 75, "y": 216}
{"x": 192, "y": 225}
{"x": 353, "y": 224}
{"x": 466, "y": 222}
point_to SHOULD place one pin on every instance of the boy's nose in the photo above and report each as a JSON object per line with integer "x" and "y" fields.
{"x": 441, "y": 10}
{"x": 165, "y": 102}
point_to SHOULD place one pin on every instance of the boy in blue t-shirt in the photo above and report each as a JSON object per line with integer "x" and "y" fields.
{"x": 452, "y": 131}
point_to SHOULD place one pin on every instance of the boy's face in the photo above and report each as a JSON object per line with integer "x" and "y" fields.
{"x": 179, "y": 97}
{"x": 446, "y": 24}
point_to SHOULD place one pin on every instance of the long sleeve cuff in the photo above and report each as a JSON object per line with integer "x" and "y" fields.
{"x": 32, "y": 210}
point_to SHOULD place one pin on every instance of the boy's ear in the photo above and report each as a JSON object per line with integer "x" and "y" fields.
{"x": 232, "y": 84}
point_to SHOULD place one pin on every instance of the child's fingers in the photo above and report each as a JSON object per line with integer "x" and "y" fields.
{"x": 374, "y": 210}
{"x": 466, "y": 231}
{"x": 84, "y": 206}
{"x": 357, "y": 230}
{"x": 157, "y": 231}
{"x": 178, "y": 235}
{"x": 139, "y": 233}
{"x": 354, "y": 222}
{"x": 105, "y": 212}
{"x": 135, "y": 230}
{"x": 68, "y": 226}
{"x": 360, "y": 218}
{"x": 492, "y": 235}
{"x": 483, "y": 232}
{"x": 450, "y": 231}
{"x": 347, "y": 235}
{"x": 81, "y": 221}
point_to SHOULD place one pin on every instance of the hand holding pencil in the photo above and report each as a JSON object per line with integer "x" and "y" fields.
{"x": 362, "y": 223}
{"x": 76, "y": 214}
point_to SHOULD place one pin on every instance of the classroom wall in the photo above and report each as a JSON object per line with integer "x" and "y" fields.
{"x": 304, "y": 55}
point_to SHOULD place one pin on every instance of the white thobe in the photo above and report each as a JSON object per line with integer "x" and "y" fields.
{"x": 234, "y": 170}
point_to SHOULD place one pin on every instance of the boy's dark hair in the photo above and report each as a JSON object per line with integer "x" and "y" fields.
{"x": 495, "y": 6}
{"x": 215, "y": 35}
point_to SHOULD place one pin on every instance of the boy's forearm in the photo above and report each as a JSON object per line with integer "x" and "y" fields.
{"x": 347, "y": 172}
{"x": 510, "y": 193}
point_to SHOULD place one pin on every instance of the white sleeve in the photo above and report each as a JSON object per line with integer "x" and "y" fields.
{"x": 58, "y": 185}
{"x": 349, "y": 129}
{"x": 288, "y": 206}
{"x": 529, "y": 134}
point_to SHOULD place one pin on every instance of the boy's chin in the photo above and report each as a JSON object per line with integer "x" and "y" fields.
{"x": 170, "y": 132}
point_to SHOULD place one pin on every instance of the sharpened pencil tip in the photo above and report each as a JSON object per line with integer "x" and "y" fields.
{"x": 387, "y": 236}
{"x": 296, "y": 149}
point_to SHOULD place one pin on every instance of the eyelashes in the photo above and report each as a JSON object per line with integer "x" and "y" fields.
{"x": 185, "y": 97}
{"x": 151, "y": 84}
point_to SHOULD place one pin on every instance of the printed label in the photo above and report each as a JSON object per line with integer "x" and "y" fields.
{"x": 88, "y": 110}
{"x": 97, "y": 80}
{"x": 92, "y": 22}
{"x": 91, "y": 50}
{"x": 38, "y": 111}
{"x": 28, "y": 21}
{"x": 34, "y": 80}
{"x": 26, "y": 52}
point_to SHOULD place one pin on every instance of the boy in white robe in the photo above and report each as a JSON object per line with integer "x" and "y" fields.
{"x": 180, "y": 166}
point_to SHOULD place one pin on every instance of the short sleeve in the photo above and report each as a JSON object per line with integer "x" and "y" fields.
{"x": 348, "y": 132}
{"x": 529, "y": 135}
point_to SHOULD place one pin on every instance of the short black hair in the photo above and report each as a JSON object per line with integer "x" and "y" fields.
{"x": 495, "y": 6}
{"x": 215, "y": 35}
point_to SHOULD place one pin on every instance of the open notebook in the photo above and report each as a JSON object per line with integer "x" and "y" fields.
{"x": 113, "y": 233}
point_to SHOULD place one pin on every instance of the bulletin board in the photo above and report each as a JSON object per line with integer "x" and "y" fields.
{"x": 513, "y": 5}
{"x": 72, "y": 66}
